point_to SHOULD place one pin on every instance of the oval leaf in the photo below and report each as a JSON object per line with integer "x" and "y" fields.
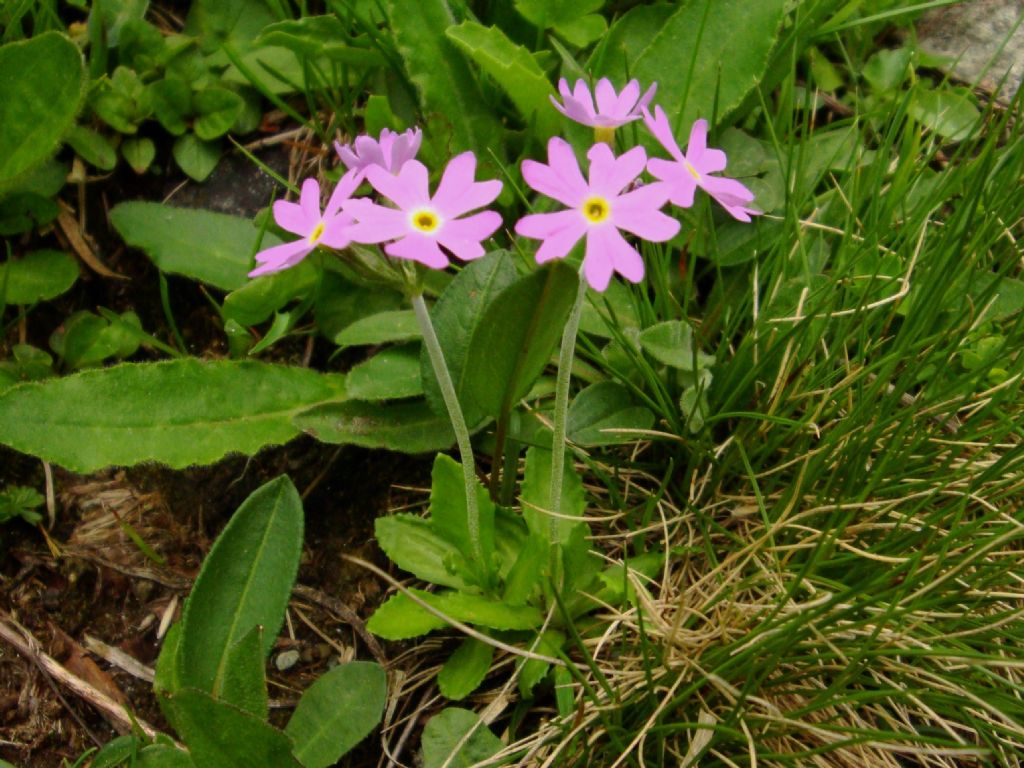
{"x": 179, "y": 412}
{"x": 244, "y": 584}
{"x": 598, "y": 413}
{"x": 411, "y": 543}
{"x": 445, "y": 742}
{"x": 465, "y": 669}
{"x": 337, "y": 712}
{"x": 39, "y": 276}
{"x": 407, "y": 427}
{"x": 391, "y": 374}
{"x": 381, "y": 328}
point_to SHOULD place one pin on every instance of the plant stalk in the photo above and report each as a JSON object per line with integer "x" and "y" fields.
{"x": 451, "y": 401}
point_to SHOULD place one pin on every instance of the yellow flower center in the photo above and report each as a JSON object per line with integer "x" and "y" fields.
{"x": 596, "y": 209}
{"x": 692, "y": 170}
{"x": 425, "y": 220}
{"x": 317, "y": 233}
{"x": 604, "y": 134}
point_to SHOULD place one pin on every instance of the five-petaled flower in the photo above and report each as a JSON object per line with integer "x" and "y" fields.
{"x": 304, "y": 218}
{"x": 421, "y": 224}
{"x": 612, "y": 109}
{"x": 390, "y": 152}
{"x": 597, "y": 209}
{"x": 686, "y": 172}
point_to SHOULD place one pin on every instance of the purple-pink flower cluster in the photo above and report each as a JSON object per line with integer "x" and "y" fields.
{"x": 611, "y": 200}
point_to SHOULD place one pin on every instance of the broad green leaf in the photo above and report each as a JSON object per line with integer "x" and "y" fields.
{"x": 171, "y": 98}
{"x": 552, "y": 13}
{"x": 408, "y": 427}
{"x": 442, "y": 78}
{"x": 260, "y": 297}
{"x": 465, "y": 669}
{"x": 319, "y": 36}
{"x": 531, "y": 566}
{"x": 212, "y": 247}
{"x": 583, "y": 31}
{"x": 950, "y": 113}
{"x": 179, "y": 412}
{"x": 244, "y": 681}
{"x": 41, "y": 89}
{"x": 455, "y": 316}
{"x": 445, "y": 742}
{"x": 116, "y": 752}
{"x": 513, "y": 68}
{"x": 195, "y": 157}
{"x": 341, "y": 302}
{"x": 162, "y": 756}
{"x": 37, "y": 276}
{"x": 603, "y": 406}
{"x": 381, "y": 328}
{"x": 887, "y": 69}
{"x": 222, "y": 736}
{"x": 705, "y": 57}
{"x": 93, "y": 147}
{"x": 411, "y": 543}
{"x": 236, "y": 22}
{"x": 671, "y": 343}
{"x": 139, "y": 152}
{"x": 244, "y": 583}
{"x": 86, "y": 339}
{"x": 536, "y": 496}
{"x": 216, "y": 111}
{"x": 167, "y": 676}
{"x": 337, "y": 712}
{"x": 24, "y": 211}
{"x": 449, "y": 518}
{"x": 533, "y": 671}
{"x": 391, "y": 374}
{"x": 401, "y": 618}
{"x": 517, "y": 335}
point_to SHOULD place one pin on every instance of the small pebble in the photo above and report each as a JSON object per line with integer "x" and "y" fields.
{"x": 286, "y": 660}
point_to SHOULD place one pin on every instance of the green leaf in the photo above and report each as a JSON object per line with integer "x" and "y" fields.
{"x": 517, "y": 335}
{"x": 38, "y": 276}
{"x": 552, "y": 13}
{"x": 671, "y": 343}
{"x": 583, "y": 31}
{"x": 179, "y": 412}
{"x": 408, "y": 427}
{"x": 455, "y": 316}
{"x": 116, "y": 752}
{"x": 216, "y": 111}
{"x": 236, "y": 22}
{"x": 389, "y": 375}
{"x": 445, "y": 737}
{"x": 887, "y": 69}
{"x": 244, "y": 682}
{"x": 950, "y": 113}
{"x": 24, "y": 211}
{"x": 337, "y": 712}
{"x": 244, "y": 583}
{"x": 195, "y": 157}
{"x": 259, "y": 298}
{"x": 381, "y": 328}
{"x": 319, "y": 36}
{"x": 93, "y": 147}
{"x": 212, "y": 247}
{"x": 442, "y": 78}
{"x": 167, "y": 677}
{"x": 449, "y": 517}
{"x": 222, "y": 736}
{"x": 531, "y": 566}
{"x": 42, "y": 88}
{"x": 536, "y": 496}
{"x": 513, "y": 68}
{"x": 465, "y": 669}
{"x": 139, "y": 152}
{"x": 171, "y": 98}
{"x": 162, "y": 756}
{"x": 411, "y": 543}
{"x": 605, "y": 405}
{"x": 705, "y": 55}
{"x": 86, "y": 339}
{"x": 533, "y": 671}
{"x": 401, "y": 618}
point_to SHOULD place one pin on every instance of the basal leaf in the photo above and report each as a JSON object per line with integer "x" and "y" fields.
{"x": 411, "y": 543}
{"x": 552, "y": 13}
{"x": 337, "y": 712}
{"x": 244, "y": 583}
{"x": 197, "y": 158}
{"x": 408, "y": 427}
{"x": 390, "y": 374}
{"x": 445, "y": 742}
{"x": 448, "y": 514}
{"x": 599, "y": 411}
{"x": 381, "y": 328}
{"x": 244, "y": 681}
{"x": 446, "y": 86}
{"x": 212, "y": 247}
{"x": 179, "y": 412}
{"x": 536, "y": 496}
{"x": 513, "y": 68}
{"x": 259, "y": 298}
{"x": 671, "y": 343}
{"x": 465, "y": 669}
{"x": 401, "y": 617}
{"x": 41, "y": 89}
{"x": 37, "y": 276}
{"x": 517, "y": 335}
{"x": 162, "y": 756}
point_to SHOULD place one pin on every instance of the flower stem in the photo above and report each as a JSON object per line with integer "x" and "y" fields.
{"x": 451, "y": 401}
{"x": 565, "y": 356}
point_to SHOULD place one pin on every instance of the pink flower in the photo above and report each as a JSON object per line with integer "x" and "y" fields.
{"x": 612, "y": 109}
{"x": 304, "y": 218}
{"x": 421, "y": 224}
{"x": 687, "y": 172}
{"x": 391, "y": 152}
{"x": 598, "y": 209}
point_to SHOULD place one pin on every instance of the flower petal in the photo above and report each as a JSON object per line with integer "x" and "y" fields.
{"x": 477, "y": 227}
{"x": 343, "y": 190}
{"x": 609, "y": 175}
{"x": 309, "y": 200}
{"x": 598, "y": 263}
{"x": 729, "y": 190}
{"x": 281, "y": 257}
{"x": 698, "y": 141}
{"x": 417, "y": 247}
{"x": 646, "y": 98}
{"x": 375, "y": 223}
{"x": 541, "y": 225}
{"x": 457, "y": 192}
{"x": 639, "y": 212}
{"x": 658, "y": 125}
{"x": 291, "y": 217}
{"x": 337, "y": 230}
{"x": 627, "y": 99}
{"x": 606, "y": 98}
{"x": 561, "y": 179}
{"x": 626, "y": 260}
{"x": 407, "y": 190}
